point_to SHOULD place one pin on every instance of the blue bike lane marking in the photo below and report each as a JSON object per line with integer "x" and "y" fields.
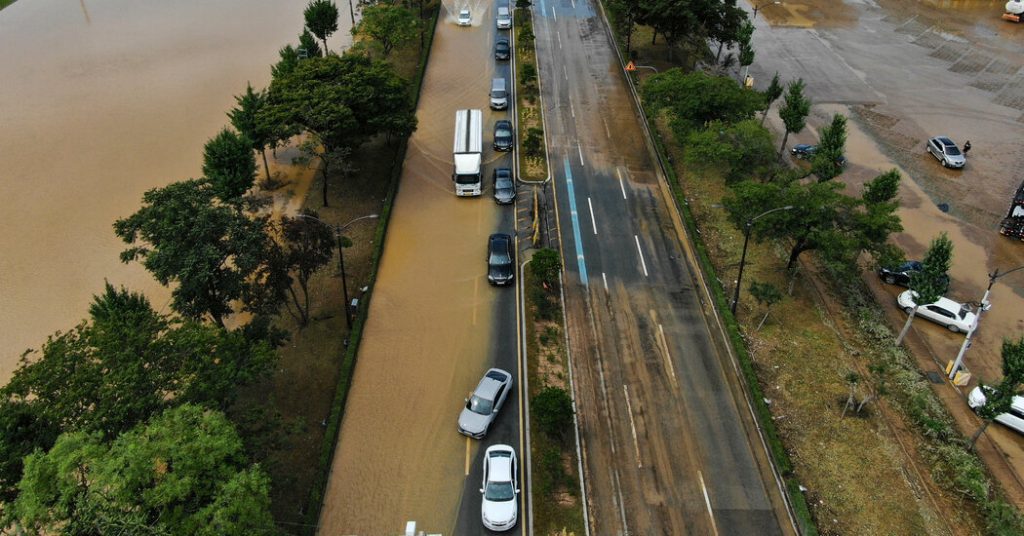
{"x": 575, "y": 223}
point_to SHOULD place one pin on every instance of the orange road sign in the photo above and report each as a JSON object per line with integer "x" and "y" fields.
{"x": 630, "y": 67}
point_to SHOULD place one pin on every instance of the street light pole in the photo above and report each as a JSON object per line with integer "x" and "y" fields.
{"x": 759, "y": 6}
{"x": 985, "y": 305}
{"x": 341, "y": 255}
{"x": 743, "y": 257}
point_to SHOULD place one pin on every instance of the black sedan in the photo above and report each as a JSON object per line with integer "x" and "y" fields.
{"x": 504, "y": 186}
{"x": 500, "y": 260}
{"x": 502, "y": 50}
{"x": 900, "y": 275}
{"x": 805, "y": 151}
{"x": 503, "y": 135}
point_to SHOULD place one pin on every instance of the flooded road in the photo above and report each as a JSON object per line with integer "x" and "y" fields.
{"x": 434, "y": 324}
{"x": 103, "y": 101}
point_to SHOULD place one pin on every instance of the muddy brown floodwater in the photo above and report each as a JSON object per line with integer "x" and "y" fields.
{"x": 101, "y": 102}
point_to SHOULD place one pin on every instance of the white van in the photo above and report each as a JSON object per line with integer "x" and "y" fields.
{"x": 504, "y": 18}
{"x": 499, "y": 94}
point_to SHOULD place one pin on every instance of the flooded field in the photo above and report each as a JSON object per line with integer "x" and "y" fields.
{"x": 101, "y": 102}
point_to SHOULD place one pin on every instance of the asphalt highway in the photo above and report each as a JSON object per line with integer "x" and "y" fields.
{"x": 668, "y": 438}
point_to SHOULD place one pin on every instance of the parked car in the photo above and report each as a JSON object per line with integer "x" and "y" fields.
{"x": 1013, "y": 419}
{"x": 900, "y": 275}
{"x": 504, "y": 186}
{"x": 503, "y": 138}
{"x": 805, "y": 151}
{"x": 946, "y": 152}
{"x": 483, "y": 404}
{"x": 500, "y": 263}
{"x": 499, "y": 508}
{"x": 957, "y": 317}
{"x": 504, "y": 18}
{"x": 502, "y": 50}
{"x": 465, "y": 18}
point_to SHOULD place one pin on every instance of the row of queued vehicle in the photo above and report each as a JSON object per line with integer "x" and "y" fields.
{"x": 499, "y": 508}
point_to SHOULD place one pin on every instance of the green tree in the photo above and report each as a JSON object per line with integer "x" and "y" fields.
{"x": 546, "y": 265}
{"x": 389, "y": 25}
{"x": 289, "y": 60}
{"x": 624, "y": 15}
{"x": 794, "y": 110}
{"x": 341, "y": 101}
{"x": 999, "y": 397}
{"x": 229, "y": 165}
{"x": 308, "y": 44}
{"x": 127, "y": 362}
{"x": 23, "y": 430}
{"x": 744, "y": 39}
{"x": 738, "y": 151}
{"x": 822, "y": 218}
{"x": 771, "y": 94}
{"x": 767, "y": 295}
{"x": 209, "y": 250}
{"x": 828, "y": 160}
{"x": 307, "y": 246}
{"x": 322, "y": 19}
{"x": 248, "y": 118}
{"x": 183, "y": 473}
{"x": 929, "y": 284}
{"x": 552, "y": 411}
{"x": 695, "y": 99}
{"x": 529, "y": 74}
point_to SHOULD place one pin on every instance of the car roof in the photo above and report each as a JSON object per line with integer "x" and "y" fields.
{"x": 947, "y": 303}
{"x": 944, "y": 140}
{"x": 490, "y": 383}
{"x": 499, "y": 459}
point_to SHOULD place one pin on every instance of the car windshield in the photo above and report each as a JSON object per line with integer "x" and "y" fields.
{"x": 503, "y": 133}
{"x": 499, "y": 258}
{"x": 503, "y": 183}
{"x": 963, "y": 312}
{"x": 500, "y": 491}
{"x": 467, "y": 179}
{"x": 480, "y": 405}
{"x": 952, "y": 150}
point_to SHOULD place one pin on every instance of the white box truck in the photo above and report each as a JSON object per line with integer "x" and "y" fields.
{"x": 468, "y": 152}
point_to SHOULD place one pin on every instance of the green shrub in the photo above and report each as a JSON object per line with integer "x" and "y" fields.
{"x": 533, "y": 145}
{"x": 545, "y": 265}
{"x": 552, "y": 411}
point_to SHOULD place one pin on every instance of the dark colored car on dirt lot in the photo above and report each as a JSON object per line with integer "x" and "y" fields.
{"x": 805, "y": 151}
{"x": 502, "y": 50}
{"x": 504, "y": 186}
{"x": 900, "y": 275}
{"x": 500, "y": 259}
{"x": 503, "y": 135}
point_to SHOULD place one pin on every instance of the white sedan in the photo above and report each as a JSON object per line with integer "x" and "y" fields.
{"x": 500, "y": 509}
{"x": 957, "y": 317}
{"x": 1013, "y": 419}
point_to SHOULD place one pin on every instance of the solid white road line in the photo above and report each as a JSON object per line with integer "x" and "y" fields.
{"x": 605, "y": 278}
{"x": 593, "y": 223}
{"x": 580, "y": 149}
{"x": 632, "y": 426}
{"x": 559, "y": 36}
{"x": 707, "y": 501}
{"x": 622, "y": 186}
{"x": 638, "y": 250}
{"x": 622, "y": 505}
{"x": 564, "y": 72}
{"x": 668, "y": 357}
{"x": 573, "y": 3}
{"x": 553, "y": 14}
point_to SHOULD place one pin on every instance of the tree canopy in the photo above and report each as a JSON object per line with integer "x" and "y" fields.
{"x": 738, "y": 151}
{"x": 183, "y": 235}
{"x": 182, "y": 473}
{"x": 229, "y": 165}
{"x": 794, "y": 110}
{"x": 322, "y": 19}
{"x": 390, "y": 25}
{"x": 694, "y": 99}
{"x": 247, "y": 117}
